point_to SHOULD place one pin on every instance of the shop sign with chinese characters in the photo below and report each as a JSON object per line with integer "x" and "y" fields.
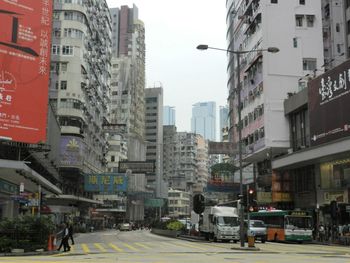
{"x": 25, "y": 40}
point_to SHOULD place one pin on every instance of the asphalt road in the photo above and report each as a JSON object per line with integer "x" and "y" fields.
{"x": 143, "y": 247}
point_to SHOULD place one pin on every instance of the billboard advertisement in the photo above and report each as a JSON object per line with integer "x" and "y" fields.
{"x": 72, "y": 150}
{"x": 106, "y": 183}
{"x": 25, "y": 40}
{"x": 329, "y": 105}
{"x": 137, "y": 167}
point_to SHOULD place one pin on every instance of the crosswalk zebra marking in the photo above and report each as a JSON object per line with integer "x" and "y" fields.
{"x": 116, "y": 248}
{"x": 100, "y": 247}
{"x": 142, "y": 245}
{"x": 85, "y": 248}
{"x": 130, "y": 247}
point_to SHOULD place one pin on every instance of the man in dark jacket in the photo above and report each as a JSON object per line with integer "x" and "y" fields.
{"x": 70, "y": 232}
{"x": 65, "y": 237}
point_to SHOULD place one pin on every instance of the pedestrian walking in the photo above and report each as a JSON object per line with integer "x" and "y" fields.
{"x": 70, "y": 232}
{"x": 65, "y": 237}
{"x": 321, "y": 233}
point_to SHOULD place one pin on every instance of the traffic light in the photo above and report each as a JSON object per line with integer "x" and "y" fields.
{"x": 198, "y": 203}
{"x": 252, "y": 203}
{"x": 243, "y": 199}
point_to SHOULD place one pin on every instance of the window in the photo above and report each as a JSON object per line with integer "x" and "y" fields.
{"x": 274, "y": 1}
{"x": 68, "y": 15}
{"x": 309, "y": 64}
{"x": 338, "y": 48}
{"x": 295, "y": 42}
{"x": 57, "y": 32}
{"x": 112, "y": 158}
{"x": 55, "y": 50}
{"x": 302, "y": 2}
{"x": 64, "y": 67}
{"x": 63, "y": 84}
{"x": 310, "y": 20}
{"x": 337, "y": 27}
{"x": 347, "y": 3}
{"x": 299, "y": 20}
{"x": 67, "y": 50}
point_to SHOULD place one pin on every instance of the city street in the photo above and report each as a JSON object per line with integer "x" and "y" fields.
{"x": 142, "y": 246}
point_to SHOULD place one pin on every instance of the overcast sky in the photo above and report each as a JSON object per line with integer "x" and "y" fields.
{"x": 173, "y": 30}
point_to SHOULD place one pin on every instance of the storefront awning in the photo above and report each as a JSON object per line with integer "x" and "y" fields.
{"x": 321, "y": 153}
{"x": 18, "y": 172}
{"x": 74, "y": 198}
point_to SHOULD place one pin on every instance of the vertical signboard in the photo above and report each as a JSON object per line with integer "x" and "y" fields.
{"x": 25, "y": 40}
{"x": 72, "y": 151}
{"x": 329, "y": 105}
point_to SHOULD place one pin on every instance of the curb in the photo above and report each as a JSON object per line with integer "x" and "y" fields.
{"x": 253, "y": 249}
{"x": 45, "y": 253}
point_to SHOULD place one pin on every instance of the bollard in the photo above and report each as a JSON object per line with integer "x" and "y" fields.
{"x": 251, "y": 239}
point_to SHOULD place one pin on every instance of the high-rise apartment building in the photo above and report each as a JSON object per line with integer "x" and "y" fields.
{"x": 202, "y": 158}
{"x": 203, "y": 120}
{"x": 154, "y": 137}
{"x": 128, "y": 78}
{"x": 168, "y": 115}
{"x": 169, "y": 144}
{"x": 184, "y": 171}
{"x": 79, "y": 90}
{"x": 223, "y": 115}
{"x": 335, "y": 30}
{"x": 295, "y": 27}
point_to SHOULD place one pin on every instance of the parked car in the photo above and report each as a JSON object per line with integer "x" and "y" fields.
{"x": 124, "y": 227}
{"x": 258, "y": 228}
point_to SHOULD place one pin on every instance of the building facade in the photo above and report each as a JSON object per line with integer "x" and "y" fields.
{"x": 168, "y": 115}
{"x": 179, "y": 203}
{"x": 79, "y": 90}
{"x": 315, "y": 171}
{"x": 203, "y": 120}
{"x": 296, "y": 30}
{"x": 128, "y": 78}
{"x": 223, "y": 116}
{"x": 154, "y": 137}
{"x": 335, "y": 41}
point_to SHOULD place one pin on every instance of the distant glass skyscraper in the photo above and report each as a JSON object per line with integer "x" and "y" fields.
{"x": 223, "y": 119}
{"x": 203, "y": 120}
{"x": 168, "y": 115}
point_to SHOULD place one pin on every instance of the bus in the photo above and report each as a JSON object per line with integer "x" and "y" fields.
{"x": 294, "y": 226}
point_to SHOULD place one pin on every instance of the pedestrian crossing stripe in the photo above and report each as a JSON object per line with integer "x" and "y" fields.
{"x": 142, "y": 245}
{"x": 130, "y": 247}
{"x": 116, "y": 248}
{"x": 100, "y": 247}
{"x": 123, "y": 247}
{"x": 85, "y": 248}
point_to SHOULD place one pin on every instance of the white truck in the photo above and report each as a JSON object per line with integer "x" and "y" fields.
{"x": 220, "y": 223}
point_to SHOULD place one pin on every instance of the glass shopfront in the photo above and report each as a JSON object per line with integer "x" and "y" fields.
{"x": 335, "y": 174}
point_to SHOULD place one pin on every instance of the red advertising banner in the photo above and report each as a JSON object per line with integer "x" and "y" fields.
{"x": 25, "y": 40}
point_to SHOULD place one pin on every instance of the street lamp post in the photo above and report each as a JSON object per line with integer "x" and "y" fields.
{"x": 239, "y": 126}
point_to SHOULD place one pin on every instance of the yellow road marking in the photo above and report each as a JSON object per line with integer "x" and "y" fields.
{"x": 142, "y": 245}
{"x": 116, "y": 248}
{"x": 100, "y": 247}
{"x": 188, "y": 245}
{"x": 130, "y": 247}
{"x": 85, "y": 248}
